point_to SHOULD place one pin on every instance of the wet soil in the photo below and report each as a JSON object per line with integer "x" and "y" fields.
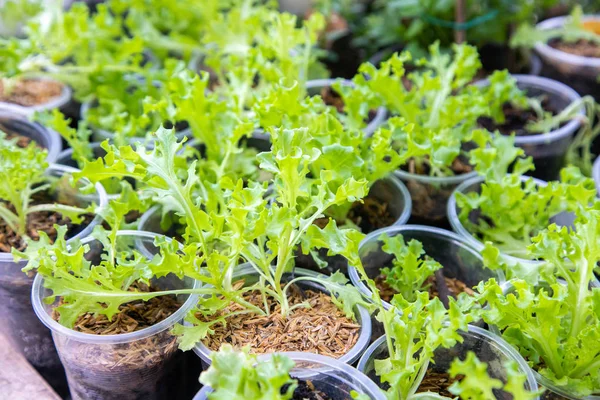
{"x": 516, "y": 120}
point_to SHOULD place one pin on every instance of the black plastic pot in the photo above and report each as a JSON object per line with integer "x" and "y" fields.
{"x": 44, "y": 137}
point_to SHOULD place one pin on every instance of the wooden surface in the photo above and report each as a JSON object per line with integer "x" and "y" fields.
{"x": 18, "y": 379}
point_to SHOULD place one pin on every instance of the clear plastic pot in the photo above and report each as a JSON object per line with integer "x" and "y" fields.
{"x": 459, "y": 259}
{"x": 474, "y": 184}
{"x": 390, "y": 191}
{"x": 487, "y": 346}
{"x": 249, "y": 274}
{"x": 548, "y": 149}
{"x": 44, "y": 137}
{"x": 101, "y": 134}
{"x": 59, "y": 101}
{"x": 430, "y": 196}
{"x": 578, "y": 72}
{"x": 313, "y": 87}
{"x": 144, "y": 364}
{"x": 596, "y": 174}
{"x": 19, "y": 323}
{"x": 333, "y": 377}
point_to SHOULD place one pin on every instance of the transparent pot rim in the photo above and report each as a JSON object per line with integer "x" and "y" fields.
{"x": 329, "y": 362}
{"x": 405, "y": 194}
{"x": 353, "y": 354}
{"x": 448, "y": 235}
{"x": 596, "y": 174}
{"x": 56, "y": 328}
{"x": 506, "y": 348}
{"x": 59, "y": 101}
{"x": 434, "y": 180}
{"x": 549, "y": 52}
{"x": 102, "y": 202}
{"x": 380, "y": 114}
{"x": 459, "y": 228}
{"x": 552, "y": 87}
{"x": 541, "y": 380}
{"x": 102, "y": 134}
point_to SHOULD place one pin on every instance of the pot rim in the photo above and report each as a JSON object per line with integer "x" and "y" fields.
{"x": 54, "y": 145}
{"x": 380, "y": 113}
{"x": 434, "y": 180}
{"x": 549, "y": 52}
{"x": 458, "y": 227}
{"x": 361, "y": 313}
{"x": 56, "y": 328}
{"x": 508, "y": 350}
{"x": 66, "y": 94}
{"x": 551, "y": 87}
{"x": 102, "y": 202}
{"x": 405, "y": 194}
{"x": 447, "y": 235}
{"x": 326, "y": 362}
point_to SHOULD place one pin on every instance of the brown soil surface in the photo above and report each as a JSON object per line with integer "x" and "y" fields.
{"x": 516, "y": 120}
{"x": 132, "y": 317}
{"x": 22, "y": 141}
{"x": 31, "y": 92}
{"x": 306, "y": 391}
{"x": 369, "y": 215}
{"x": 455, "y": 287}
{"x": 321, "y": 329}
{"x": 42, "y": 221}
{"x": 332, "y": 98}
{"x": 436, "y": 382}
{"x": 583, "y": 48}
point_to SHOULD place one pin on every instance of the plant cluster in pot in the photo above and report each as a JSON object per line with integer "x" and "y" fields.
{"x": 440, "y": 110}
{"x": 236, "y": 227}
{"x": 114, "y": 339}
{"x": 235, "y": 374}
{"x": 431, "y": 351}
{"x": 24, "y": 132}
{"x": 35, "y": 198}
{"x": 551, "y": 318}
{"x": 569, "y": 47}
{"x": 544, "y": 117}
{"x": 509, "y": 210}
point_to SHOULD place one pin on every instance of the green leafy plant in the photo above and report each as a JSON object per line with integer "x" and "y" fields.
{"x": 440, "y": 106}
{"x": 22, "y": 177}
{"x": 409, "y": 270}
{"x": 510, "y": 211}
{"x": 554, "y": 323}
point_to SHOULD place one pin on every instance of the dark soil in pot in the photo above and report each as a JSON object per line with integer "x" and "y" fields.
{"x": 22, "y": 141}
{"x": 428, "y": 200}
{"x": 435, "y": 285}
{"x": 332, "y": 98}
{"x": 30, "y": 92}
{"x": 149, "y": 368}
{"x": 274, "y": 333}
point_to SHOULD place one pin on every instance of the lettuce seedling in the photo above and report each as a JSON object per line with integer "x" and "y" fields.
{"x": 237, "y": 374}
{"x": 555, "y": 324}
{"x": 572, "y": 31}
{"x": 440, "y": 105}
{"x": 508, "y": 211}
{"x": 409, "y": 270}
{"x": 21, "y": 178}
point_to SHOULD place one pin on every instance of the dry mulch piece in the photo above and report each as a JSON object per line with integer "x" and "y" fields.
{"x": 31, "y": 92}
{"x": 321, "y": 329}
{"x": 455, "y": 287}
{"x": 436, "y": 382}
{"x": 42, "y": 221}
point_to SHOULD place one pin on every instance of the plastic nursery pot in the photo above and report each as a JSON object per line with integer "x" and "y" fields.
{"x": 474, "y": 185}
{"x": 487, "y": 346}
{"x": 576, "y": 71}
{"x": 61, "y": 100}
{"x": 389, "y": 191}
{"x": 332, "y": 377}
{"x": 376, "y": 117}
{"x": 552, "y": 391}
{"x": 19, "y": 323}
{"x": 460, "y": 261}
{"x": 249, "y": 274}
{"x": 430, "y": 196}
{"x": 143, "y": 364}
{"x": 101, "y": 134}
{"x": 548, "y": 149}
{"x": 18, "y": 125}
